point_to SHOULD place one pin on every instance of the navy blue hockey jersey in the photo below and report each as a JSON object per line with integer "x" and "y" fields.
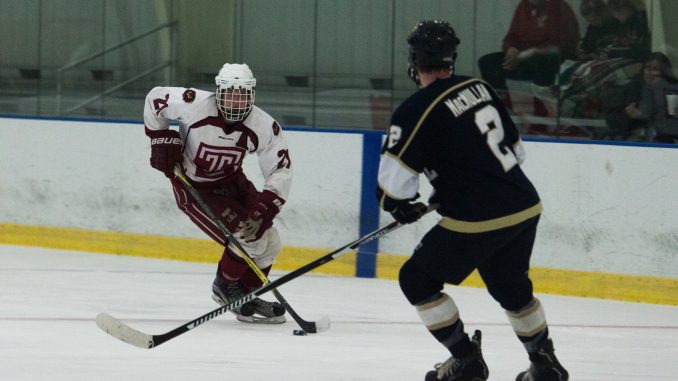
{"x": 458, "y": 133}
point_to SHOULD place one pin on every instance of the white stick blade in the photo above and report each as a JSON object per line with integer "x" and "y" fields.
{"x": 121, "y": 331}
{"x": 322, "y": 324}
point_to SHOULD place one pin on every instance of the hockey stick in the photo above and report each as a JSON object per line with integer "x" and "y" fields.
{"x": 308, "y": 326}
{"x": 121, "y": 331}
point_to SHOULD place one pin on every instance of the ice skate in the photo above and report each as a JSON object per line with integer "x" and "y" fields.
{"x": 544, "y": 366}
{"x": 226, "y": 292}
{"x": 472, "y": 367}
{"x": 264, "y": 312}
{"x": 254, "y": 311}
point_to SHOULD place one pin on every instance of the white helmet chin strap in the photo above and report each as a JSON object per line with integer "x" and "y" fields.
{"x": 235, "y": 91}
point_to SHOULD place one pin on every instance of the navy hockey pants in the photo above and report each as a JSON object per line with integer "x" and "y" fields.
{"x": 502, "y": 258}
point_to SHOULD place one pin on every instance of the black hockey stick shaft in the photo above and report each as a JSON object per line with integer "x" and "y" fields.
{"x": 308, "y": 326}
{"x": 156, "y": 340}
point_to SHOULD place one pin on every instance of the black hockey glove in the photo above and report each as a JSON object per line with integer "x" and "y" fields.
{"x": 407, "y": 212}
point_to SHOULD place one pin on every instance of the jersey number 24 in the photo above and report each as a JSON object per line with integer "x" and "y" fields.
{"x": 485, "y": 118}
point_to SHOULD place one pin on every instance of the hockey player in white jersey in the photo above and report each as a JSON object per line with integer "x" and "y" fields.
{"x": 216, "y": 131}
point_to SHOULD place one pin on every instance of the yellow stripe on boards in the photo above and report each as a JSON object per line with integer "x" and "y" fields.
{"x": 157, "y": 246}
{"x": 632, "y": 288}
{"x": 137, "y": 245}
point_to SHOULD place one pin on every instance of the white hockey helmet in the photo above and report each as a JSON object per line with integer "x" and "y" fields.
{"x": 235, "y": 91}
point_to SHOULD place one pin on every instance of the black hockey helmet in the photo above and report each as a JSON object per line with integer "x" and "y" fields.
{"x": 432, "y": 45}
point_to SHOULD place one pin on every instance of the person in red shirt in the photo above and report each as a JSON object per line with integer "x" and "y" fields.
{"x": 542, "y": 34}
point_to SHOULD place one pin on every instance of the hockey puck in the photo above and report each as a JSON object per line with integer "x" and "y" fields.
{"x": 299, "y": 332}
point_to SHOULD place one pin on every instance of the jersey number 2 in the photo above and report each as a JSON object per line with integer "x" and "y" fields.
{"x": 487, "y": 117}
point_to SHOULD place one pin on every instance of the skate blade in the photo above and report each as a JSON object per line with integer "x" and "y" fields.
{"x": 260, "y": 319}
{"x": 252, "y": 318}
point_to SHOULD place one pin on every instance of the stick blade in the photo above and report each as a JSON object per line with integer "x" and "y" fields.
{"x": 322, "y": 324}
{"x": 123, "y": 332}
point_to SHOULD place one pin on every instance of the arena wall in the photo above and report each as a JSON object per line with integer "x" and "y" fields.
{"x": 610, "y": 210}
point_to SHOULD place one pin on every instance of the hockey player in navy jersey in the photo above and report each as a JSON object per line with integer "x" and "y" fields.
{"x": 457, "y": 132}
{"x": 216, "y": 132}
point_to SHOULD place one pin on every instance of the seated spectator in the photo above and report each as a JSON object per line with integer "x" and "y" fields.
{"x": 584, "y": 92}
{"x": 659, "y": 101}
{"x": 633, "y": 36}
{"x": 601, "y": 30}
{"x": 620, "y": 125}
{"x": 542, "y": 33}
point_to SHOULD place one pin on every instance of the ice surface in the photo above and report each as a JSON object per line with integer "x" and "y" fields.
{"x": 50, "y": 298}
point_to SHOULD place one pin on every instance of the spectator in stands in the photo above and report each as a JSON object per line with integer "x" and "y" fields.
{"x": 541, "y": 35}
{"x": 659, "y": 101}
{"x": 584, "y": 93}
{"x": 633, "y": 36}
{"x": 601, "y": 30}
{"x": 620, "y": 125}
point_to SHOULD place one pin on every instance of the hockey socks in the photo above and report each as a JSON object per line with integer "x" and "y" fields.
{"x": 529, "y": 324}
{"x": 441, "y": 317}
{"x": 231, "y": 266}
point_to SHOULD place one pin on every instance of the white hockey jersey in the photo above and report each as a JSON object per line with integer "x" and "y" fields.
{"x": 212, "y": 149}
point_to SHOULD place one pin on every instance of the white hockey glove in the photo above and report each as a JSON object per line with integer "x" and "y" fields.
{"x": 260, "y": 219}
{"x": 248, "y": 229}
